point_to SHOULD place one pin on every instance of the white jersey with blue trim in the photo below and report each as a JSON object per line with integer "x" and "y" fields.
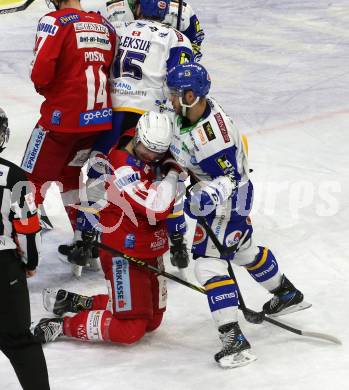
{"x": 213, "y": 150}
{"x": 212, "y": 147}
{"x": 147, "y": 50}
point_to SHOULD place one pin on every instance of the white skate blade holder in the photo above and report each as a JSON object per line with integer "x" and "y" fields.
{"x": 76, "y": 270}
{"x": 237, "y": 359}
{"x": 49, "y": 298}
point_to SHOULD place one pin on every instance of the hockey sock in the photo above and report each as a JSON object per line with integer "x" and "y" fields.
{"x": 265, "y": 270}
{"x": 222, "y": 299}
{"x": 101, "y": 325}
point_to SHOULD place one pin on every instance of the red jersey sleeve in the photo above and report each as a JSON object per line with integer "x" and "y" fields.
{"x": 48, "y": 45}
{"x": 152, "y": 199}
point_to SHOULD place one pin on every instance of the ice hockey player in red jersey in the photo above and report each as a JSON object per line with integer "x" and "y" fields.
{"x": 137, "y": 82}
{"x": 134, "y": 223}
{"x": 74, "y": 51}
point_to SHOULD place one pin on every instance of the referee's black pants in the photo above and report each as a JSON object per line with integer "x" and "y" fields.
{"x": 16, "y": 341}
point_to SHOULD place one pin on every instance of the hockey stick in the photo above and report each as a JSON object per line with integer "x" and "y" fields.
{"x": 179, "y": 15}
{"x": 142, "y": 264}
{"x": 22, "y": 7}
{"x": 251, "y": 315}
{"x": 258, "y": 317}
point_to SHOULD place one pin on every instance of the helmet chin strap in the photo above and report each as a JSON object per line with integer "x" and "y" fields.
{"x": 185, "y": 106}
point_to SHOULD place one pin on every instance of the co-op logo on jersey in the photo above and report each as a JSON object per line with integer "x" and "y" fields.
{"x": 96, "y": 117}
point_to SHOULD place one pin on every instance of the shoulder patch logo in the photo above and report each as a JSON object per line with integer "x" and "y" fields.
{"x": 209, "y": 131}
{"x": 69, "y": 18}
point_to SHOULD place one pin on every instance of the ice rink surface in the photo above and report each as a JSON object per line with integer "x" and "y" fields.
{"x": 280, "y": 69}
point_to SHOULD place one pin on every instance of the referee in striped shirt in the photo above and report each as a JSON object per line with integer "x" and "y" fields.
{"x": 19, "y": 253}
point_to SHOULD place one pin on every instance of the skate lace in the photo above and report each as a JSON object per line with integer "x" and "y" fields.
{"x": 274, "y": 302}
{"x": 231, "y": 339}
{"x": 52, "y": 330}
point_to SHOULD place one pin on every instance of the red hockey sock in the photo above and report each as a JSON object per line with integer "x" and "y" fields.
{"x": 100, "y": 325}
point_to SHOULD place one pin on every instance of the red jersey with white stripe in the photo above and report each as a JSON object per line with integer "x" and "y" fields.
{"x": 138, "y": 206}
{"x": 74, "y": 51}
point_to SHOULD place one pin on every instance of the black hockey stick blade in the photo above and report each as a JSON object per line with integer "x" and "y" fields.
{"x": 22, "y": 7}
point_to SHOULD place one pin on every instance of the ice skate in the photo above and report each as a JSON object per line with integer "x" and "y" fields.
{"x": 178, "y": 251}
{"x": 81, "y": 253}
{"x": 49, "y": 329}
{"x": 287, "y": 299}
{"x": 74, "y": 253}
{"x": 59, "y": 301}
{"x": 236, "y": 349}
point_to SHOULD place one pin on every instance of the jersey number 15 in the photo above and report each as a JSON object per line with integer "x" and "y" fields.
{"x": 125, "y": 66}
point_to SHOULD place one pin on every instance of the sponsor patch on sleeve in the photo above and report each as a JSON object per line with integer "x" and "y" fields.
{"x": 47, "y": 26}
{"x": 224, "y": 163}
{"x": 184, "y": 58}
{"x": 125, "y": 177}
{"x": 222, "y": 127}
{"x": 209, "y": 131}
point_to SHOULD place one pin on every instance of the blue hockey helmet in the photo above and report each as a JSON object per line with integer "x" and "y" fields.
{"x": 189, "y": 77}
{"x": 155, "y": 8}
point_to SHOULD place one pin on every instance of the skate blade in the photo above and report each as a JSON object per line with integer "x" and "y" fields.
{"x": 49, "y": 298}
{"x": 93, "y": 265}
{"x": 237, "y": 359}
{"x": 292, "y": 309}
{"x": 76, "y": 270}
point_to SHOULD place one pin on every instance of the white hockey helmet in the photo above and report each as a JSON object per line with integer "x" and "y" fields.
{"x": 154, "y": 131}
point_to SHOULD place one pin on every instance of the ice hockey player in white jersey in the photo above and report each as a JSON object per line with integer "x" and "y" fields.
{"x": 207, "y": 142}
{"x": 120, "y": 10}
{"x": 147, "y": 50}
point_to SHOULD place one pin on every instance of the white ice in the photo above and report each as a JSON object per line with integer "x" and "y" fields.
{"x": 280, "y": 69}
